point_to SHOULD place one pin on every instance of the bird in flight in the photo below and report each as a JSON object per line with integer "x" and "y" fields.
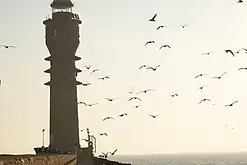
{"x": 230, "y": 105}
{"x": 173, "y": 95}
{"x": 88, "y": 67}
{"x": 89, "y": 105}
{"x": 204, "y": 100}
{"x": 242, "y": 69}
{"x": 153, "y": 116}
{"x": 200, "y": 75}
{"x": 159, "y": 27}
{"x": 149, "y": 42}
{"x": 95, "y": 70}
{"x": 122, "y": 115}
{"x": 242, "y": 49}
{"x": 219, "y": 76}
{"x": 137, "y": 106}
{"x": 107, "y": 118}
{"x": 230, "y": 51}
{"x": 183, "y": 26}
{"x": 240, "y": 1}
{"x": 86, "y": 84}
{"x": 111, "y": 99}
{"x": 207, "y": 53}
{"x": 201, "y": 87}
{"x": 101, "y": 134}
{"x": 103, "y": 78}
{"x": 112, "y": 153}
{"x": 154, "y": 69}
{"x": 143, "y": 66}
{"x": 153, "y": 18}
{"x": 145, "y": 91}
{"x": 134, "y": 98}
{"x": 163, "y": 46}
{"x": 8, "y": 46}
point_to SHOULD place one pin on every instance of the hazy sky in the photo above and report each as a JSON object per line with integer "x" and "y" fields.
{"x": 113, "y": 35}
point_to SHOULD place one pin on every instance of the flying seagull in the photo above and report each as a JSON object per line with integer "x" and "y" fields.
{"x": 207, "y": 53}
{"x": 122, "y": 115}
{"x": 242, "y": 69}
{"x": 183, "y": 26}
{"x": 111, "y": 99}
{"x": 201, "y": 87}
{"x": 8, "y": 46}
{"x": 159, "y": 27}
{"x": 149, "y": 42}
{"x": 219, "y": 76}
{"x": 242, "y": 49}
{"x": 230, "y": 51}
{"x": 107, "y": 118}
{"x": 145, "y": 91}
{"x": 173, "y": 95}
{"x": 153, "y": 116}
{"x": 95, "y": 70}
{"x": 204, "y": 100}
{"x": 200, "y": 75}
{"x": 143, "y": 66}
{"x": 137, "y": 106}
{"x": 163, "y": 46}
{"x": 134, "y": 98}
{"x": 103, "y": 78}
{"x": 89, "y": 105}
{"x": 154, "y": 69}
{"x": 88, "y": 67}
{"x": 230, "y": 105}
{"x": 240, "y": 1}
{"x": 153, "y": 18}
{"x": 101, "y": 134}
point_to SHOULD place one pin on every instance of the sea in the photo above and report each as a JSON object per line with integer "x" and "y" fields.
{"x": 183, "y": 159}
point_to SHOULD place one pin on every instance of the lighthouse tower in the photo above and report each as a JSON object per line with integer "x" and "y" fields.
{"x": 62, "y": 41}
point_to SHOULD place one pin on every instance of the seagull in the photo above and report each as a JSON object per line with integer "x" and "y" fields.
{"x": 101, "y": 134}
{"x": 137, "y": 106}
{"x": 154, "y": 69}
{"x": 208, "y": 53}
{"x": 122, "y": 115}
{"x": 242, "y": 49}
{"x": 8, "y": 46}
{"x": 200, "y": 75}
{"x": 162, "y": 26}
{"x": 183, "y": 26}
{"x": 204, "y": 100}
{"x": 153, "y": 116}
{"x": 107, "y": 118}
{"x": 103, "y": 78}
{"x": 230, "y": 105}
{"x": 149, "y": 42}
{"x": 173, "y": 95}
{"x": 88, "y": 67}
{"x": 95, "y": 70}
{"x": 89, "y": 105}
{"x": 86, "y": 84}
{"x": 240, "y": 1}
{"x": 145, "y": 91}
{"x": 111, "y": 99}
{"x": 163, "y": 46}
{"x": 143, "y": 66}
{"x": 135, "y": 98}
{"x": 242, "y": 69}
{"x": 112, "y": 153}
{"x": 153, "y": 18}
{"x": 230, "y": 51}
{"x": 220, "y": 76}
{"x": 201, "y": 87}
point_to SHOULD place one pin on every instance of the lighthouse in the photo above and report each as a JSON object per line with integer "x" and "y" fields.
{"x": 62, "y": 41}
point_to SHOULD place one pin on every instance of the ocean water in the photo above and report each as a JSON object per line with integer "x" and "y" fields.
{"x": 188, "y": 159}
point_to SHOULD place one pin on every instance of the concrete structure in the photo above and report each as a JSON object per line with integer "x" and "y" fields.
{"x": 62, "y": 41}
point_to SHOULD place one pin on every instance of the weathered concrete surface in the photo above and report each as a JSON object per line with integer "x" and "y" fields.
{"x": 37, "y": 160}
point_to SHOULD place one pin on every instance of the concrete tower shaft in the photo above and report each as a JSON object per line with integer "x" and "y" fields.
{"x": 62, "y": 41}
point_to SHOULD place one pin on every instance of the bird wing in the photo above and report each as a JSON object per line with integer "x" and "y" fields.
{"x": 154, "y": 16}
{"x": 150, "y": 68}
{"x": 223, "y": 74}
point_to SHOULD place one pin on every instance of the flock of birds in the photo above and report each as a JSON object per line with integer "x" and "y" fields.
{"x": 154, "y": 68}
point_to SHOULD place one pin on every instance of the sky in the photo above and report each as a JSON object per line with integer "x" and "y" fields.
{"x": 113, "y": 34}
